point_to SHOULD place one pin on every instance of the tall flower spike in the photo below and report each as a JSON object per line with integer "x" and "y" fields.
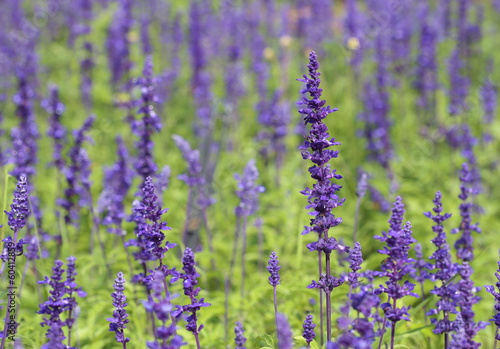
{"x": 19, "y": 209}
{"x": 396, "y": 266}
{"x": 285, "y": 338}
{"x": 72, "y": 290}
{"x": 190, "y": 282}
{"x": 54, "y": 307}
{"x": 322, "y": 197}
{"x": 149, "y": 124}
{"x": 464, "y": 244}
{"x": 160, "y": 305}
{"x": 56, "y": 130}
{"x": 442, "y": 270}
{"x": 466, "y": 298}
{"x": 239, "y": 339}
{"x": 119, "y": 319}
{"x": 496, "y": 294}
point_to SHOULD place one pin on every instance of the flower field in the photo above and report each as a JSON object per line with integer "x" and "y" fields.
{"x": 249, "y": 174}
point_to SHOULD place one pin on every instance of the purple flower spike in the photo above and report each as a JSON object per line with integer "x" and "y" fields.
{"x": 308, "y": 327}
{"x": 464, "y": 245}
{"x": 117, "y": 181}
{"x": 396, "y": 266}
{"x": 54, "y": 307}
{"x": 285, "y": 338}
{"x": 56, "y": 131}
{"x": 19, "y": 209}
{"x": 160, "y": 305}
{"x": 190, "y": 282}
{"x": 72, "y": 289}
{"x": 356, "y": 259}
{"x": 443, "y": 270}
{"x": 147, "y": 215}
{"x": 119, "y": 319}
{"x": 496, "y": 294}
{"x": 274, "y": 268}
{"x": 240, "y": 338}
{"x": 322, "y": 198}
{"x": 248, "y": 190}
{"x": 466, "y": 298}
{"x": 149, "y": 124}
{"x": 77, "y": 173}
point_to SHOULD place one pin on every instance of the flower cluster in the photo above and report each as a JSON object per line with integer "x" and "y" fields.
{"x": 248, "y": 190}
{"x": 397, "y": 264}
{"x": 166, "y": 334}
{"x": 56, "y": 130}
{"x": 463, "y": 245}
{"x": 149, "y": 124}
{"x": 61, "y": 299}
{"x": 149, "y": 231}
{"x": 443, "y": 269}
{"x": 117, "y": 181}
{"x": 77, "y": 173}
{"x": 239, "y": 339}
{"x": 190, "y": 277}
{"x": 119, "y": 319}
{"x": 274, "y": 268}
{"x": 496, "y": 294}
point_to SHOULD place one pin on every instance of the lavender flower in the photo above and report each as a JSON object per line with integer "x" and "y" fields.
{"x": 86, "y": 67}
{"x": 117, "y": 181}
{"x": 240, "y": 338}
{"x": 491, "y": 289}
{"x": 322, "y": 198}
{"x": 459, "y": 84}
{"x": 464, "y": 337}
{"x": 196, "y": 182}
{"x": 24, "y": 138}
{"x": 464, "y": 245}
{"x": 396, "y": 266}
{"x": 56, "y": 131}
{"x": 356, "y": 259}
{"x": 426, "y": 71}
{"x": 54, "y": 307}
{"x": 149, "y": 124}
{"x": 117, "y": 43}
{"x": 119, "y": 319}
{"x": 308, "y": 327}
{"x": 160, "y": 305}
{"x": 147, "y": 215}
{"x": 72, "y": 289}
{"x": 190, "y": 282}
{"x": 274, "y": 268}
{"x": 285, "y": 338}
{"x": 77, "y": 174}
{"x": 444, "y": 270}
{"x": 489, "y": 98}
{"x": 248, "y": 190}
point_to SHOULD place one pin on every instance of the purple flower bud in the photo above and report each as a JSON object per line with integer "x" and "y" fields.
{"x": 274, "y": 268}
{"x": 240, "y": 338}
{"x": 119, "y": 319}
{"x": 308, "y": 327}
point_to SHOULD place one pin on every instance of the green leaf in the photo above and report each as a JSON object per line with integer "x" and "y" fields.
{"x": 264, "y": 340}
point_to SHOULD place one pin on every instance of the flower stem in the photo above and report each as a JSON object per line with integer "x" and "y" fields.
{"x": 243, "y": 253}
{"x": 209, "y": 236}
{"x": 188, "y": 215}
{"x": 356, "y": 217}
{"x": 321, "y": 300}
{"x": 328, "y": 302}
{"x": 382, "y": 333}
{"x": 276, "y": 317}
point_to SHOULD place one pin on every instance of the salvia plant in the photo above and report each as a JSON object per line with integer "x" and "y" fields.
{"x": 417, "y": 85}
